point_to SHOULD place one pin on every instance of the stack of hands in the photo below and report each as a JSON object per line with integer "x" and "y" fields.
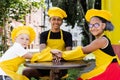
{"x": 57, "y": 55}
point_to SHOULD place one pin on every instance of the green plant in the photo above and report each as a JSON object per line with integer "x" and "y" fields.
{"x": 73, "y": 74}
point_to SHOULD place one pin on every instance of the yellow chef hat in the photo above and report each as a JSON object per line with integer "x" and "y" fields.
{"x": 55, "y": 11}
{"x": 23, "y": 30}
{"x": 101, "y": 13}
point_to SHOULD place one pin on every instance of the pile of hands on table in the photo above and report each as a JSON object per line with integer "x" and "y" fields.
{"x": 57, "y": 55}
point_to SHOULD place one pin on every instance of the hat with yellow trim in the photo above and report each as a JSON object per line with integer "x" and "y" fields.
{"x": 55, "y": 11}
{"x": 23, "y": 30}
{"x": 95, "y": 12}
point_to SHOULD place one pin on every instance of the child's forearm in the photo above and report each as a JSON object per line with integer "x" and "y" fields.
{"x": 75, "y": 54}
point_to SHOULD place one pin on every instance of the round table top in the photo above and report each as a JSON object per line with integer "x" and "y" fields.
{"x": 52, "y": 65}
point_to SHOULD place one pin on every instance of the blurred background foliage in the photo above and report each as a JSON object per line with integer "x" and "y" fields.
{"x": 17, "y": 9}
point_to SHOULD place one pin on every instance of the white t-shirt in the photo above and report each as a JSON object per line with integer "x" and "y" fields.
{"x": 13, "y": 52}
{"x": 2, "y": 72}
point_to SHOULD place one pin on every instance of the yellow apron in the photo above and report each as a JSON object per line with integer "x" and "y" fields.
{"x": 102, "y": 62}
{"x": 10, "y": 67}
{"x": 56, "y": 43}
{"x": 45, "y": 54}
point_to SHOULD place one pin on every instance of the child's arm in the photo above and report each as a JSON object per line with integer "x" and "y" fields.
{"x": 27, "y": 56}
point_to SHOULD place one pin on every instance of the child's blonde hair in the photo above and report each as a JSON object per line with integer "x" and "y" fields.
{"x": 23, "y": 30}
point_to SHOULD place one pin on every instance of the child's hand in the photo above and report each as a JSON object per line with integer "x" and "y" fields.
{"x": 57, "y": 54}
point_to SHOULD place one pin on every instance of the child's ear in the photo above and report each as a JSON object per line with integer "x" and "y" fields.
{"x": 104, "y": 25}
{"x": 15, "y": 39}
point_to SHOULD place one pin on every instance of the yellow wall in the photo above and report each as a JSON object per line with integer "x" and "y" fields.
{"x": 114, "y": 7}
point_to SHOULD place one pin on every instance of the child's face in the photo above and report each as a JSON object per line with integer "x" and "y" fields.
{"x": 56, "y": 22}
{"x": 96, "y": 26}
{"x": 23, "y": 39}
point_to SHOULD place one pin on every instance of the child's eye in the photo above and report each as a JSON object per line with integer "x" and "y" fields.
{"x": 27, "y": 39}
{"x": 22, "y": 38}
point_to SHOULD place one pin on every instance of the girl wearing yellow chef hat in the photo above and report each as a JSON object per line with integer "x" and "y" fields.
{"x": 22, "y": 36}
{"x": 107, "y": 67}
